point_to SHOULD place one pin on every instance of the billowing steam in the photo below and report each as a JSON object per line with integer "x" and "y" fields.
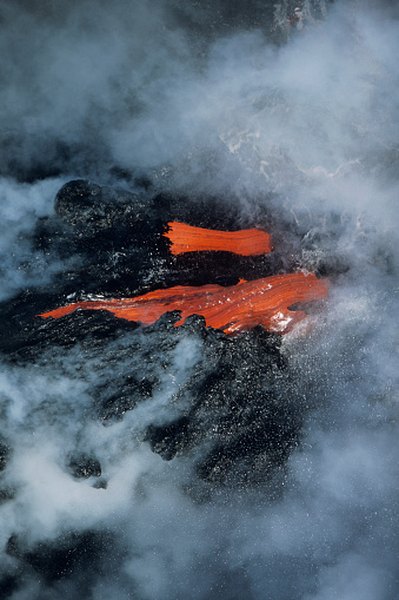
{"x": 204, "y": 99}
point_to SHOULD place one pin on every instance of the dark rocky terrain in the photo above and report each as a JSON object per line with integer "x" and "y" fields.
{"x": 239, "y": 410}
{"x": 111, "y": 243}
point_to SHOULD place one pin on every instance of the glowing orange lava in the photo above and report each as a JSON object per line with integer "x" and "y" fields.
{"x": 267, "y": 302}
{"x": 247, "y": 242}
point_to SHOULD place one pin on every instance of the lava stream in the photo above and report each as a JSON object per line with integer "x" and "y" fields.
{"x": 246, "y": 242}
{"x": 267, "y": 302}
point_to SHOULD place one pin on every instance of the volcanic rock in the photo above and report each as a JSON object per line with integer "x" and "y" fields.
{"x": 237, "y": 409}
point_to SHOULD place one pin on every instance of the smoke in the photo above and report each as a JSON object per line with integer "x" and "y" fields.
{"x": 21, "y": 205}
{"x": 199, "y": 100}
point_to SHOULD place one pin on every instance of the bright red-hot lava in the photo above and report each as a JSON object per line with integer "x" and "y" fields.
{"x": 267, "y": 302}
{"x": 246, "y": 242}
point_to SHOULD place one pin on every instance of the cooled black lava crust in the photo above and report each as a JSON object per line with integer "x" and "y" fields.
{"x": 243, "y": 412}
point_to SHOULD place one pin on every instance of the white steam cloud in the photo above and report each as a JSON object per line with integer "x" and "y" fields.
{"x": 21, "y": 205}
{"x": 311, "y": 127}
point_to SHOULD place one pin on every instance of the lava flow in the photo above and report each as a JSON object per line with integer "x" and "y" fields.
{"x": 267, "y": 302}
{"x": 246, "y": 242}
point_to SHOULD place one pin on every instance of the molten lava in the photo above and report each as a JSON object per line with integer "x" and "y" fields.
{"x": 247, "y": 242}
{"x": 267, "y": 302}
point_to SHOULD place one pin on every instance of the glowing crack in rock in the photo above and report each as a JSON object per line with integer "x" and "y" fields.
{"x": 268, "y": 302}
{"x": 246, "y": 242}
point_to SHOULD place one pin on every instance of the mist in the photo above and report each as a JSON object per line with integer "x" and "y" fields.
{"x": 222, "y": 101}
